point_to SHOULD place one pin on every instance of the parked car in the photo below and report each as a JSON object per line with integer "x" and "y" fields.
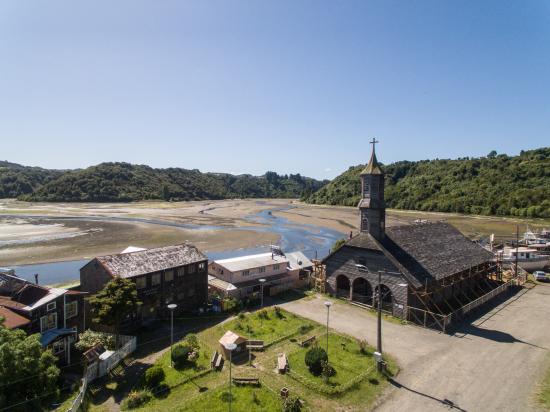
{"x": 540, "y": 276}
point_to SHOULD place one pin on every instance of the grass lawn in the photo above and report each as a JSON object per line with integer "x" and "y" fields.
{"x": 174, "y": 376}
{"x": 204, "y": 392}
{"x": 269, "y": 328}
{"x": 245, "y": 398}
{"x": 344, "y": 355}
{"x": 544, "y": 395}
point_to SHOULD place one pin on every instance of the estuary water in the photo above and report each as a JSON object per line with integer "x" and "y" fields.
{"x": 313, "y": 241}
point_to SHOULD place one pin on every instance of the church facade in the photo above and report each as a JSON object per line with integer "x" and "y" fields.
{"x": 429, "y": 272}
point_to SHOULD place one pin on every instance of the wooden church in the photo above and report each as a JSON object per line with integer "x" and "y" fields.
{"x": 430, "y": 273}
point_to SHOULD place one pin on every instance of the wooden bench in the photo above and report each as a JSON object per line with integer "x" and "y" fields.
{"x": 246, "y": 381}
{"x": 307, "y": 341}
{"x": 282, "y": 363}
{"x": 216, "y": 362}
{"x": 255, "y": 344}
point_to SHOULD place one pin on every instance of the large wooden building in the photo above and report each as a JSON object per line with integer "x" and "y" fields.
{"x": 429, "y": 272}
{"x": 171, "y": 274}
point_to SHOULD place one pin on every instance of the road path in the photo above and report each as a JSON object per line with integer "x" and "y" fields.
{"x": 492, "y": 364}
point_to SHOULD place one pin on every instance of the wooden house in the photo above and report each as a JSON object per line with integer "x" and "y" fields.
{"x": 171, "y": 274}
{"x": 55, "y": 313}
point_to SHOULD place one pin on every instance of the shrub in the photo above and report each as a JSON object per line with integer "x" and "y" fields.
{"x": 315, "y": 358}
{"x": 225, "y": 396}
{"x": 292, "y": 404}
{"x": 363, "y": 346}
{"x": 327, "y": 370}
{"x": 241, "y": 315}
{"x": 154, "y": 376}
{"x": 192, "y": 340}
{"x": 262, "y": 314}
{"x": 89, "y": 339}
{"x": 305, "y": 328}
{"x": 180, "y": 354}
{"x": 135, "y": 399}
{"x": 279, "y": 312}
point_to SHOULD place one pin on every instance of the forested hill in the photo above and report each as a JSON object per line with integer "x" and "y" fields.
{"x": 492, "y": 185}
{"x": 126, "y": 182}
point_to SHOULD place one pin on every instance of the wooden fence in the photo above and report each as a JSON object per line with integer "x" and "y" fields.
{"x": 102, "y": 368}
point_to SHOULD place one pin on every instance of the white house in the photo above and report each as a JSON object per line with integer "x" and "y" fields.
{"x": 240, "y": 277}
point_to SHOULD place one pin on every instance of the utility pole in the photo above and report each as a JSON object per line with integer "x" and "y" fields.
{"x": 517, "y": 250}
{"x": 172, "y": 306}
{"x": 379, "y": 332}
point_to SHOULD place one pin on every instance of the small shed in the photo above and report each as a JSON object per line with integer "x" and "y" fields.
{"x": 232, "y": 337}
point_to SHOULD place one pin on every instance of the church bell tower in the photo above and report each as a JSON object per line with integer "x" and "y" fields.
{"x": 372, "y": 205}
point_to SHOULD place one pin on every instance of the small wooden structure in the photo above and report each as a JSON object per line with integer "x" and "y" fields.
{"x": 307, "y": 341}
{"x": 284, "y": 393}
{"x": 282, "y": 363}
{"x": 232, "y": 337}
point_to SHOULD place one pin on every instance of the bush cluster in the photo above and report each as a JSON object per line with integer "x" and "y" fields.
{"x": 314, "y": 359}
{"x": 154, "y": 376}
{"x": 180, "y": 354}
{"x": 135, "y": 399}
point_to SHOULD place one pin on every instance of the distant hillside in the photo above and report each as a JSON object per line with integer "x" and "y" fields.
{"x": 17, "y": 180}
{"x": 492, "y": 185}
{"x": 127, "y": 182}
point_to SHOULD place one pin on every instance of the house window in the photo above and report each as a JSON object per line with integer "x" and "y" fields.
{"x": 261, "y": 270}
{"x": 71, "y": 309}
{"x": 169, "y": 276}
{"x": 245, "y": 272}
{"x": 50, "y": 306}
{"x": 202, "y": 266}
{"x": 141, "y": 282}
{"x": 155, "y": 279}
{"x": 276, "y": 267}
{"x": 181, "y": 272}
{"x": 48, "y": 322}
{"x": 191, "y": 268}
{"x": 58, "y": 347}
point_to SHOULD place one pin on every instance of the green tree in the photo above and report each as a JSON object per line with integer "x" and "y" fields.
{"x": 114, "y": 303}
{"x": 28, "y": 374}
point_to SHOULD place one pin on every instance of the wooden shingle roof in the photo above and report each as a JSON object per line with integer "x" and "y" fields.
{"x": 427, "y": 251}
{"x": 137, "y": 263}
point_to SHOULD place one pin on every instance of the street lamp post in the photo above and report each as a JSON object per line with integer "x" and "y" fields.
{"x": 328, "y": 304}
{"x": 171, "y": 306}
{"x": 262, "y": 281}
{"x": 230, "y": 347}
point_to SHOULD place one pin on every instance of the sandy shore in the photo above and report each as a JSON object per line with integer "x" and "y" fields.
{"x": 222, "y": 225}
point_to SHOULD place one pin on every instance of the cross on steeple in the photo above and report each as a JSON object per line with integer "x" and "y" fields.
{"x": 373, "y": 143}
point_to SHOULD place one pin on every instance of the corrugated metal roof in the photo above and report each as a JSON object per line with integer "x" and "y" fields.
{"x": 12, "y": 320}
{"x": 297, "y": 260}
{"x": 251, "y": 261}
{"x": 137, "y": 263}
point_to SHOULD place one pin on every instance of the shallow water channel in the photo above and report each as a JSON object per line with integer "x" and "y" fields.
{"x": 313, "y": 241}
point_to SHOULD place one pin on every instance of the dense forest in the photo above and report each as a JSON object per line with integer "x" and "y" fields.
{"x": 493, "y": 185}
{"x": 126, "y": 182}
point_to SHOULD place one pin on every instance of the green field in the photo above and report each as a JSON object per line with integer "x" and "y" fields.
{"x": 195, "y": 387}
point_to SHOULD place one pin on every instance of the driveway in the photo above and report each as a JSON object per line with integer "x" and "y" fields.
{"x": 491, "y": 364}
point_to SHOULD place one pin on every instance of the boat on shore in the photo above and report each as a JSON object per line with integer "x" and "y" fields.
{"x": 527, "y": 258}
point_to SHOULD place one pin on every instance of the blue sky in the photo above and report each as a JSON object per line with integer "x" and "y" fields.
{"x": 290, "y": 86}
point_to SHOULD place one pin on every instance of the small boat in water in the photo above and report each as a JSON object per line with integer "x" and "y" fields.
{"x": 528, "y": 258}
